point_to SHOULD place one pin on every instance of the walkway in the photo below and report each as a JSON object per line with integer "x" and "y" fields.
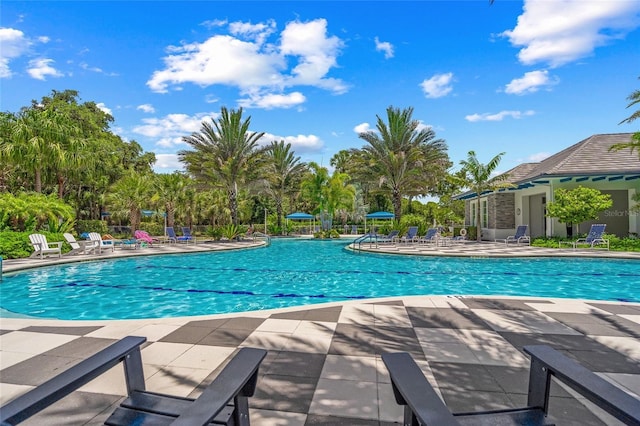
{"x": 490, "y": 249}
{"x": 323, "y": 366}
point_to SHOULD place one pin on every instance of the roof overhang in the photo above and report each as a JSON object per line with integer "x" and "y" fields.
{"x": 549, "y": 179}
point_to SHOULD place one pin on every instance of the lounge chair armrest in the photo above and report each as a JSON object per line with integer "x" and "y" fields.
{"x": 236, "y": 381}
{"x": 412, "y": 390}
{"x": 57, "y": 244}
{"x": 66, "y": 382}
{"x": 610, "y": 398}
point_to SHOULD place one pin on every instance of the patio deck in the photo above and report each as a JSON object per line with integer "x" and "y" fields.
{"x": 324, "y": 366}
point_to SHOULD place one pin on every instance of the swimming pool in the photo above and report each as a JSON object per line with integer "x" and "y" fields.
{"x": 295, "y": 272}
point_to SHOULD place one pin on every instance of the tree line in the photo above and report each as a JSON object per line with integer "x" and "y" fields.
{"x": 65, "y": 148}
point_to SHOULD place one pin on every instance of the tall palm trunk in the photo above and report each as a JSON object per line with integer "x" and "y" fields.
{"x": 279, "y": 212}
{"x": 133, "y": 219}
{"x": 171, "y": 214}
{"x": 397, "y": 203}
{"x": 233, "y": 203}
{"x": 38, "y": 181}
{"x": 61, "y": 183}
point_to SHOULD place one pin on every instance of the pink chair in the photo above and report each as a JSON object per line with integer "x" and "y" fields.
{"x": 143, "y": 236}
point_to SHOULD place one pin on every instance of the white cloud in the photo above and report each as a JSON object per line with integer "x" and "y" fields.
{"x": 301, "y": 144}
{"x": 384, "y": 46}
{"x": 14, "y": 44}
{"x": 169, "y": 130}
{"x": 530, "y": 82}
{"x": 559, "y": 32}
{"x": 86, "y": 66}
{"x": 538, "y": 157}
{"x": 256, "y": 32}
{"x": 316, "y": 54}
{"x": 214, "y": 23}
{"x": 437, "y": 86}
{"x": 272, "y": 100}
{"x": 211, "y": 99}
{"x": 219, "y": 60}
{"x": 362, "y": 128}
{"x": 365, "y": 127}
{"x": 421, "y": 126}
{"x": 41, "y": 68}
{"x": 98, "y": 70}
{"x": 498, "y": 116}
{"x": 148, "y": 108}
{"x": 258, "y": 69}
{"x": 167, "y": 163}
{"x": 102, "y": 107}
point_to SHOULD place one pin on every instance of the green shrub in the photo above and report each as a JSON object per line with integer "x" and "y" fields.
{"x": 615, "y": 243}
{"x": 99, "y": 226}
{"x": 152, "y": 228}
{"x": 274, "y": 229}
{"x": 214, "y": 231}
{"x": 16, "y": 245}
{"x": 332, "y": 233}
{"x": 230, "y": 231}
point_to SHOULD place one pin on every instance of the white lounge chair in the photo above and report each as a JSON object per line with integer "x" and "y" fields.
{"x": 101, "y": 244}
{"x": 43, "y": 248}
{"x": 82, "y": 246}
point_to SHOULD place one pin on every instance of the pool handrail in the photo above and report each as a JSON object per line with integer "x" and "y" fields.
{"x": 260, "y": 236}
{"x": 370, "y": 236}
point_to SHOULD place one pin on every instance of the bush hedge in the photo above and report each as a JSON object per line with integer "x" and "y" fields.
{"x": 16, "y": 245}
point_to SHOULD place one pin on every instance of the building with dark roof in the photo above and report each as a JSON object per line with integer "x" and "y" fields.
{"x": 588, "y": 163}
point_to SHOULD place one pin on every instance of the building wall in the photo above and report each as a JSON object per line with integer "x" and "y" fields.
{"x": 508, "y": 209}
{"x": 502, "y": 210}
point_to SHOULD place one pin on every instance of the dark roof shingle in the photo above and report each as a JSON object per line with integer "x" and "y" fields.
{"x": 588, "y": 157}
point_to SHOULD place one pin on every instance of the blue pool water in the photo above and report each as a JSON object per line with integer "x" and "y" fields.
{"x": 292, "y": 273}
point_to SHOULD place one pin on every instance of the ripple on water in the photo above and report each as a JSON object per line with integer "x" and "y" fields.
{"x": 292, "y": 273}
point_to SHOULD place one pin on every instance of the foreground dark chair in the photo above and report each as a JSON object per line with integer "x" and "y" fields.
{"x": 237, "y": 381}
{"x": 423, "y": 406}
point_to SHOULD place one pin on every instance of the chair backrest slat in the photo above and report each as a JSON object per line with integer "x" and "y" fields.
{"x": 521, "y": 231}
{"x": 596, "y": 232}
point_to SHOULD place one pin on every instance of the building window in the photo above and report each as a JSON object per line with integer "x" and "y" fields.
{"x": 485, "y": 214}
{"x": 473, "y": 214}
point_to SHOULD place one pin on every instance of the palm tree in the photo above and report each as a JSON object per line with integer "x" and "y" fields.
{"x": 634, "y": 99}
{"x": 312, "y": 186}
{"x": 37, "y": 139}
{"x": 224, "y": 153}
{"x": 170, "y": 189}
{"x": 284, "y": 173}
{"x": 340, "y": 160}
{"x": 131, "y": 194}
{"x": 327, "y": 193}
{"x": 400, "y": 156}
{"x": 477, "y": 177}
{"x": 339, "y": 194}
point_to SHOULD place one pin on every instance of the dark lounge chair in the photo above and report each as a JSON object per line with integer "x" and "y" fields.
{"x": 235, "y": 383}
{"x": 423, "y": 406}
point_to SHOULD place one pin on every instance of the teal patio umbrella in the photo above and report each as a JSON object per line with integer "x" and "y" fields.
{"x": 377, "y": 215}
{"x": 302, "y": 216}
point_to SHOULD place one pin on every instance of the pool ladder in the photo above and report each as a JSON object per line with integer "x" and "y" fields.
{"x": 260, "y": 236}
{"x": 371, "y": 238}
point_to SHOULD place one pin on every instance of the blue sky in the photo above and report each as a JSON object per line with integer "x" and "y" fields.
{"x": 527, "y": 78}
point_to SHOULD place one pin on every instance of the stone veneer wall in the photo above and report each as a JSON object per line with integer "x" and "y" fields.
{"x": 502, "y": 206}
